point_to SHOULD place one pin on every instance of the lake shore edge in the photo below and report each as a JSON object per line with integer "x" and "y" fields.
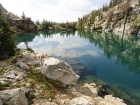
{"x": 23, "y": 73}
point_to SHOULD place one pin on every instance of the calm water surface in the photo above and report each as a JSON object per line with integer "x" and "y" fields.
{"x": 96, "y": 57}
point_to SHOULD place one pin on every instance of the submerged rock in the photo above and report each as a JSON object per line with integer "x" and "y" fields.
{"x": 57, "y": 69}
{"x": 125, "y": 94}
{"x": 89, "y": 90}
{"x": 13, "y": 97}
{"x": 91, "y": 79}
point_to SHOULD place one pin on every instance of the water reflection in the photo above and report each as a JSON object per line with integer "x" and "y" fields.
{"x": 126, "y": 49}
{"x": 58, "y": 44}
{"x": 104, "y": 56}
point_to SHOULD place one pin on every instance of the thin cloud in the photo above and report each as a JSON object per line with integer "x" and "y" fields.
{"x": 55, "y": 10}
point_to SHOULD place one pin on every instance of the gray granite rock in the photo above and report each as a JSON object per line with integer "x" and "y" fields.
{"x": 1, "y": 103}
{"x": 13, "y": 97}
{"x": 22, "y": 65}
{"x": 10, "y": 74}
{"x": 109, "y": 100}
{"x": 82, "y": 100}
{"x": 57, "y": 69}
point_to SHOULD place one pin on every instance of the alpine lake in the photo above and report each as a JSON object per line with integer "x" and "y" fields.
{"x": 109, "y": 60}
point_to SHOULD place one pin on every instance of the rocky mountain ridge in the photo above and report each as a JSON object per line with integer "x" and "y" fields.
{"x": 122, "y": 18}
{"x": 18, "y": 24}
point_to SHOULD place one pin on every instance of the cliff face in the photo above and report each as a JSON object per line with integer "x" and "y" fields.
{"x": 123, "y": 18}
{"x": 18, "y": 24}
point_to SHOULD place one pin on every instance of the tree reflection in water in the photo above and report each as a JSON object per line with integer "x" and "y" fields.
{"x": 125, "y": 48}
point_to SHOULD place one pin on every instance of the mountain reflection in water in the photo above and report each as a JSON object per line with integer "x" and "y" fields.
{"x": 104, "y": 58}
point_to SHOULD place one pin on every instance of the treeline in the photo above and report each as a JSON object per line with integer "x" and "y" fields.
{"x": 49, "y": 25}
{"x": 69, "y": 25}
{"x": 45, "y": 24}
{"x": 112, "y": 4}
{"x": 89, "y": 19}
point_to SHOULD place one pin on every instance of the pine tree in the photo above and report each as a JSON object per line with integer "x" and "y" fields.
{"x": 45, "y": 24}
{"x": 7, "y": 46}
{"x": 37, "y": 22}
{"x": 67, "y": 24}
{"x": 23, "y": 16}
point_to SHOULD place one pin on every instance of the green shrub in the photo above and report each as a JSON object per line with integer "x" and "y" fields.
{"x": 7, "y": 46}
{"x": 134, "y": 26}
{"x": 2, "y": 86}
{"x": 29, "y": 49}
{"x": 99, "y": 27}
{"x": 14, "y": 59}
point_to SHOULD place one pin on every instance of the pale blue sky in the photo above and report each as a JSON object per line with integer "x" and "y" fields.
{"x": 55, "y": 10}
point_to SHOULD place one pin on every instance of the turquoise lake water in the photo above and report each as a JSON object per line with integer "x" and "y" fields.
{"x": 109, "y": 60}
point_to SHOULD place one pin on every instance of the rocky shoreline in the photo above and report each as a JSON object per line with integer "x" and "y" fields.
{"x": 23, "y": 82}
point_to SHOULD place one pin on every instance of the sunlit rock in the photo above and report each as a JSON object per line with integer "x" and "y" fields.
{"x": 22, "y": 65}
{"x": 1, "y": 102}
{"x": 82, "y": 100}
{"x": 109, "y": 100}
{"x": 57, "y": 69}
{"x": 13, "y": 97}
{"x": 10, "y": 74}
{"x": 20, "y": 77}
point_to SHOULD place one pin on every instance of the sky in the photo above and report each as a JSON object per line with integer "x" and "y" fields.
{"x": 52, "y": 10}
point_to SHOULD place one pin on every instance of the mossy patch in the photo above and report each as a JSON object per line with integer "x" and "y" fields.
{"x": 4, "y": 85}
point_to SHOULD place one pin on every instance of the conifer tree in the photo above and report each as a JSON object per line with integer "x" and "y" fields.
{"x": 23, "y": 16}
{"x": 7, "y": 46}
